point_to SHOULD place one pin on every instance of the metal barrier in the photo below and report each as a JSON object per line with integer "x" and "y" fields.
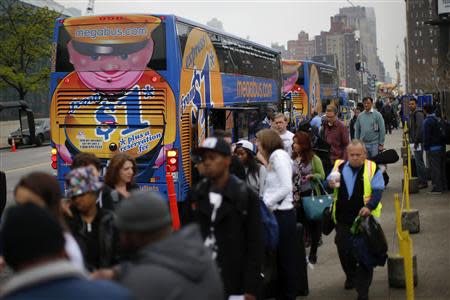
{"x": 405, "y": 251}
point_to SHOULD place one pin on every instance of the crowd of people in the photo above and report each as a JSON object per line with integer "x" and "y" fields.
{"x": 122, "y": 237}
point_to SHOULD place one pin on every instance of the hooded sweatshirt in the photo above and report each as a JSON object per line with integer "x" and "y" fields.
{"x": 178, "y": 267}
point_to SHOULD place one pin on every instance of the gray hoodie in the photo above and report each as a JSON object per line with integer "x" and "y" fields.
{"x": 178, "y": 267}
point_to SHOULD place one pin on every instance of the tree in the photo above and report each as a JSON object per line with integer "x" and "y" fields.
{"x": 25, "y": 47}
{"x": 215, "y": 23}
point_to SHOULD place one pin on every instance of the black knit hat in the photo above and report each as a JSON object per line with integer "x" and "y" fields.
{"x": 30, "y": 233}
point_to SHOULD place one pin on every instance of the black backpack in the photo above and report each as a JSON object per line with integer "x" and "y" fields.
{"x": 444, "y": 127}
{"x": 444, "y": 130}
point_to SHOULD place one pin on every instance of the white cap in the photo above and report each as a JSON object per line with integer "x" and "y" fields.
{"x": 246, "y": 145}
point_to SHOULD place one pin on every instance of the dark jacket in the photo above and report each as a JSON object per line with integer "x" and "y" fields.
{"x": 388, "y": 113}
{"x": 347, "y": 209}
{"x": 238, "y": 231}
{"x": 59, "y": 280}
{"x": 415, "y": 124}
{"x": 111, "y": 197}
{"x": 432, "y": 138}
{"x": 352, "y": 127}
{"x": 338, "y": 137}
{"x": 178, "y": 267}
{"x": 107, "y": 242}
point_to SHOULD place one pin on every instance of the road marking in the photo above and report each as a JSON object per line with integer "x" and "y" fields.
{"x": 25, "y": 168}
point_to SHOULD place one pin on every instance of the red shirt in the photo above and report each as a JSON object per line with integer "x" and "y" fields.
{"x": 338, "y": 137}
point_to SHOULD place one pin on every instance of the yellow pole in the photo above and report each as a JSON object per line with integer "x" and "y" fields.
{"x": 406, "y": 251}
{"x": 398, "y": 213}
{"x": 406, "y": 188}
{"x": 406, "y": 142}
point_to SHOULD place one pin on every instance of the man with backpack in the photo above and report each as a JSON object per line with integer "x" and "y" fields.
{"x": 415, "y": 133}
{"x": 228, "y": 212}
{"x": 434, "y": 145}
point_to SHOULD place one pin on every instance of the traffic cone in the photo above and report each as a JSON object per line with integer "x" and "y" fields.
{"x": 13, "y": 145}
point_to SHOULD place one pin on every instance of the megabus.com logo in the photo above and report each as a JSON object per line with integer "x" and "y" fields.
{"x": 112, "y": 32}
{"x": 253, "y": 89}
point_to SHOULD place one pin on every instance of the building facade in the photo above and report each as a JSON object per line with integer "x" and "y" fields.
{"x": 340, "y": 41}
{"x": 301, "y": 48}
{"x": 363, "y": 20}
{"x": 422, "y": 46}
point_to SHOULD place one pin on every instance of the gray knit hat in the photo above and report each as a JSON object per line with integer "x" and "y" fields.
{"x": 143, "y": 211}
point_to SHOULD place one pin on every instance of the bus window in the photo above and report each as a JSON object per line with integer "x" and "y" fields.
{"x": 301, "y": 75}
{"x": 241, "y": 124}
{"x": 183, "y": 33}
{"x": 158, "y": 54}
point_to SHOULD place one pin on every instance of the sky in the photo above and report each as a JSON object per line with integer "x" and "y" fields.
{"x": 266, "y": 22}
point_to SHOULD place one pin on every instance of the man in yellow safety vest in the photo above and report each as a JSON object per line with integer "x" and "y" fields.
{"x": 358, "y": 185}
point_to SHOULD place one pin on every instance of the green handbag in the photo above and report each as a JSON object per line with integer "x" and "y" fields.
{"x": 316, "y": 204}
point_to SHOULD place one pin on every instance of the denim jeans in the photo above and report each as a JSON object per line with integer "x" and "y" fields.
{"x": 372, "y": 150}
{"x": 420, "y": 167}
{"x": 437, "y": 167}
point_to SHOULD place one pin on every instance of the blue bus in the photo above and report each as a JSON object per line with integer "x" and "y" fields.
{"x": 310, "y": 86}
{"x": 348, "y": 97}
{"x": 154, "y": 87}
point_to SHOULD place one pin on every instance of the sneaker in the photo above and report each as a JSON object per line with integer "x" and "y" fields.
{"x": 423, "y": 186}
{"x": 349, "y": 284}
{"x": 433, "y": 192}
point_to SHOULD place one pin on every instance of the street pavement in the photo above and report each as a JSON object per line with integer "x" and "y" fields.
{"x": 25, "y": 160}
{"x": 326, "y": 280}
{"x": 431, "y": 246}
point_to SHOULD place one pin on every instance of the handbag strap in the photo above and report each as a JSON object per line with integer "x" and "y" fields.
{"x": 315, "y": 183}
{"x": 319, "y": 183}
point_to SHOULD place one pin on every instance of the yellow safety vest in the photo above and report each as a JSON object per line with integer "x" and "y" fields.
{"x": 369, "y": 172}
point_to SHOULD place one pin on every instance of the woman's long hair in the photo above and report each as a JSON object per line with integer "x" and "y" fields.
{"x": 270, "y": 141}
{"x": 112, "y": 175}
{"x": 47, "y": 188}
{"x": 304, "y": 140}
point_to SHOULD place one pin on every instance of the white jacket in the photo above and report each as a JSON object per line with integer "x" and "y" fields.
{"x": 278, "y": 186}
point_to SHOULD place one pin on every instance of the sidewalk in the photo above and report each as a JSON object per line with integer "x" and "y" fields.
{"x": 431, "y": 246}
{"x": 6, "y": 127}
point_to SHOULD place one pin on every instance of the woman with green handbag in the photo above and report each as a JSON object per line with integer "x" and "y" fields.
{"x": 307, "y": 168}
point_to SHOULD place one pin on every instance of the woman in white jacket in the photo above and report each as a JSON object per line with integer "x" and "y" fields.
{"x": 278, "y": 198}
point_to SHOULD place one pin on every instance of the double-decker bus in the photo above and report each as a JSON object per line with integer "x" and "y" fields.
{"x": 154, "y": 86}
{"x": 309, "y": 86}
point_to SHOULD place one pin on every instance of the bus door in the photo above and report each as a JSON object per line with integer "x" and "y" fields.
{"x": 242, "y": 121}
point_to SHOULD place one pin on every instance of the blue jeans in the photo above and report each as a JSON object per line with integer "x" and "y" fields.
{"x": 420, "y": 167}
{"x": 372, "y": 150}
{"x": 437, "y": 167}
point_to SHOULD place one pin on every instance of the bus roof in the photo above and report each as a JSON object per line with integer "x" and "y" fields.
{"x": 193, "y": 23}
{"x": 310, "y": 62}
{"x": 218, "y": 31}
